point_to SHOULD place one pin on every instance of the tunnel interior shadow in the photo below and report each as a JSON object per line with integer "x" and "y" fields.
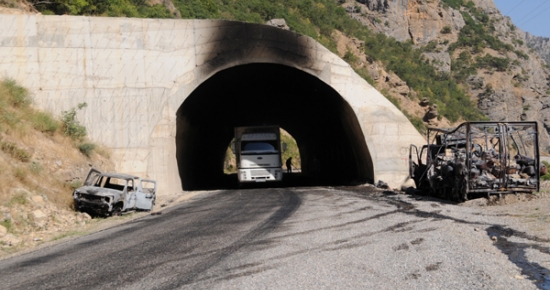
{"x": 320, "y": 120}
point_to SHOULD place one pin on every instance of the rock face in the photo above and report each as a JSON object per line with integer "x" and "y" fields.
{"x": 416, "y": 20}
{"x": 432, "y": 113}
{"x": 499, "y": 106}
{"x": 440, "y": 60}
{"x": 540, "y": 45}
{"x": 279, "y": 23}
{"x": 487, "y": 6}
{"x": 521, "y": 92}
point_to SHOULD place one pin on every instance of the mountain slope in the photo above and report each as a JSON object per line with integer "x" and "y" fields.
{"x": 476, "y": 46}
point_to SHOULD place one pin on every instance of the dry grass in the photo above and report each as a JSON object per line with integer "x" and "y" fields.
{"x": 103, "y": 151}
{"x": 5, "y": 179}
{"x": 35, "y": 154}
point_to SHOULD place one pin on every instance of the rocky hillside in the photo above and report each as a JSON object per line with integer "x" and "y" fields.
{"x": 42, "y": 160}
{"x": 540, "y": 44}
{"x": 500, "y": 67}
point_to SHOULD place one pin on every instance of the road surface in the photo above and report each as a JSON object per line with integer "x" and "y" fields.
{"x": 294, "y": 238}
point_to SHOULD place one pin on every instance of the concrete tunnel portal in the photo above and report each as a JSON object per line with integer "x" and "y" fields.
{"x": 321, "y": 121}
{"x": 167, "y": 108}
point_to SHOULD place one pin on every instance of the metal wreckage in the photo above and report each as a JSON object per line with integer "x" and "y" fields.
{"x": 107, "y": 194}
{"x": 477, "y": 159}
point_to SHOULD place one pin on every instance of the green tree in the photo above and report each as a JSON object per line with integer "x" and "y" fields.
{"x": 60, "y": 7}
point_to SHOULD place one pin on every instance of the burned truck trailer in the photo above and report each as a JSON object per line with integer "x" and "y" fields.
{"x": 476, "y": 159}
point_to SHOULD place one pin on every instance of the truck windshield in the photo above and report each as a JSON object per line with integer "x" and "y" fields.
{"x": 256, "y": 147}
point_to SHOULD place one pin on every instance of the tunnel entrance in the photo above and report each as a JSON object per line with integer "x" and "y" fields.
{"x": 321, "y": 121}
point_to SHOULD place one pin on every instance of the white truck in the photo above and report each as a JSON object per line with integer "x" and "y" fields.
{"x": 258, "y": 153}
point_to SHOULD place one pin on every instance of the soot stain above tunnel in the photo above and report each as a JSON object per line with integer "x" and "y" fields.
{"x": 236, "y": 40}
{"x": 318, "y": 118}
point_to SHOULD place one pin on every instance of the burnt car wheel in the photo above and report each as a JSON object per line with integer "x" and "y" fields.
{"x": 117, "y": 210}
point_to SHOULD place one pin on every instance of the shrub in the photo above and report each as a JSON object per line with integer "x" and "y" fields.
{"x": 35, "y": 168}
{"x": 72, "y": 127}
{"x": 518, "y": 41}
{"x": 19, "y": 198}
{"x": 453, "y": 3}
{"x": 44, "y": 122}
{"x": 20, "y": 173}
{"x": 417, "y": 122}
{"x": 14, "y": 151}
{"x": 364, "y": 73}
{"x": 476, "y": 33}
{"x": 10, "y": 118}
{"x": 6, "y": 223}
{"x": 18, "y": 96}
{"x": 520, "y": 54}
{"x": 446, "y": 30}
{"x": 488, "y": 61}
{"x": 350, "y": 58}
{"x": 86, "y": 148}
{"x": 155, "y": 11}
{"x": 431, "y": 46}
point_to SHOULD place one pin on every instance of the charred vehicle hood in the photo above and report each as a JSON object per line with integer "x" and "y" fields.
{"x": 99, "y": 191}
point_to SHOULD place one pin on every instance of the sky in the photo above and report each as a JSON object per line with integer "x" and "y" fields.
{"x": 532, "y": 16}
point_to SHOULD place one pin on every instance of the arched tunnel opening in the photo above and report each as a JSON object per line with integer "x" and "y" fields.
{"x": 321, "y": 121}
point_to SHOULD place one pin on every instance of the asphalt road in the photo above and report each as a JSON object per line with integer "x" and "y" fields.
{"x": 304, "y": 238}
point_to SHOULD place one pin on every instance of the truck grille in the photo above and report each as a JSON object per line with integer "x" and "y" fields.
{"x": 259, "y": 172}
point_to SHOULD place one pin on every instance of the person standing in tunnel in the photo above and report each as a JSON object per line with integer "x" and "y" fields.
{"x": 289, "y": 165}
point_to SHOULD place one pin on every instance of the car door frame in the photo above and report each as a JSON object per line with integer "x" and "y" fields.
{"x": 145, "y": 200}
{"x": 93, "y": 174}
{"x": 130, "y": 195}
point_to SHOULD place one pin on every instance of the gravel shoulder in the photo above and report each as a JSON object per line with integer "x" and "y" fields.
{"x": 531, "y": 212}
{"x": 100, "y": 224}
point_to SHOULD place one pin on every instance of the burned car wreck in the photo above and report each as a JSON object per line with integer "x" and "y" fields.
{"x": 477, "y": 159}
{"x": 112, "y": 193}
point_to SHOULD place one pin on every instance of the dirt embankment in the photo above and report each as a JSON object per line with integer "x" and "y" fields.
{"x": 36, "y": 199}
{"x": 42, "y": 160}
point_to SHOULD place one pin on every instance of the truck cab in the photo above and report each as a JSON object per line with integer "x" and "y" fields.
{"x": 258, "y": 153}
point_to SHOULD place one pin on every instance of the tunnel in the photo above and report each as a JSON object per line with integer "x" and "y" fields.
{"x": 321, "y": 121}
